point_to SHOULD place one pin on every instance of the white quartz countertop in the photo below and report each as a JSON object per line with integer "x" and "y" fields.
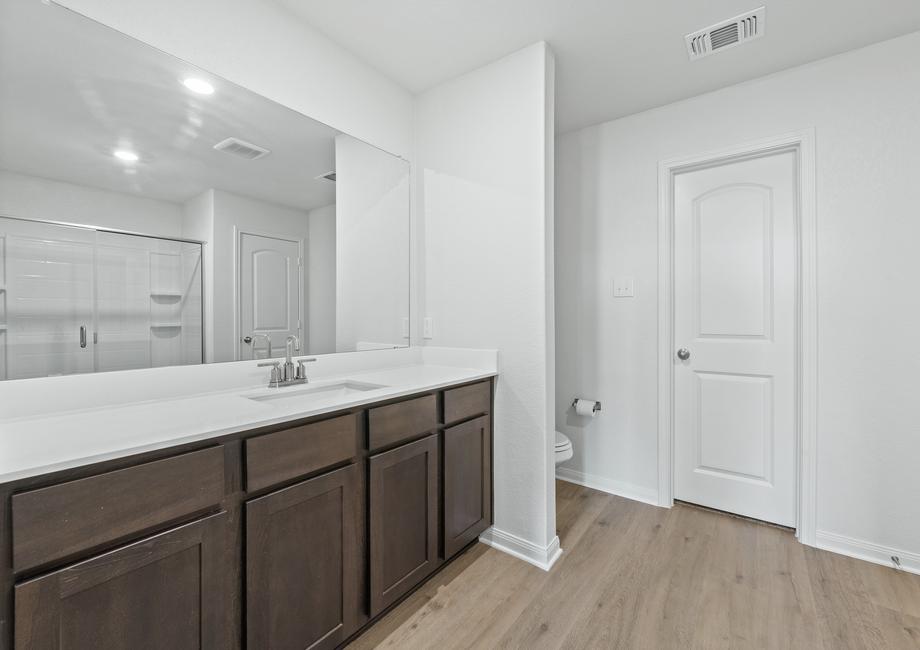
{"x": 40, "y": 444}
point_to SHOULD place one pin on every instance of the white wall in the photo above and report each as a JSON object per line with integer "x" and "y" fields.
{"x": 198, "y": 224}
{"x": 321, "y": 280}
{"x": 484, "y": 157}
{"x": 864, "y": 106}
{"x": 31, "y": 197}
{"x": 260, "y": 45}
{"x": 372, "y": 246}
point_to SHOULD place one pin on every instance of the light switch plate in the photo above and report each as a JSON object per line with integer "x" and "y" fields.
{"x": 428, "y": 327}
{"x": 405, "y": 328}
{"x": 624, "y": 287}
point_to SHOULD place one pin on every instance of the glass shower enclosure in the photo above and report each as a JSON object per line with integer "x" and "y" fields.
{"x": 76, "y": 299}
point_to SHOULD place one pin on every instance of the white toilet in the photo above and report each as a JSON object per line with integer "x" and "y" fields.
{"x": 563, "y": 448}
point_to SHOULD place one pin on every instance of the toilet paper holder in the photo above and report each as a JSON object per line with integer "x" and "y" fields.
{"x": 597, "y": 405}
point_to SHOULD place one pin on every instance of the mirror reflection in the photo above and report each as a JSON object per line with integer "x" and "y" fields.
{"x": 153, "y": 214}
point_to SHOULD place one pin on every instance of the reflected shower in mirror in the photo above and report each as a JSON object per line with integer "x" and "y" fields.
{"x": 154, "y": 214}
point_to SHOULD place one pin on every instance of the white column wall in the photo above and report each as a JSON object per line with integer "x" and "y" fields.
{"x": 484, "y": 164}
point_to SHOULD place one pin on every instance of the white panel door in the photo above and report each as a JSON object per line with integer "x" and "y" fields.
{"x": 735, "y": 288}
{"x": 49, "y": 301}
{"x": 269, "y": 294}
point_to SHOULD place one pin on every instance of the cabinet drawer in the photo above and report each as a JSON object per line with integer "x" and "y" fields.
{"x": 389, "y": 425}
{"x": 467, "y": 401}
{"x": 280, "y": 456}
{"x": 61, "y": 520}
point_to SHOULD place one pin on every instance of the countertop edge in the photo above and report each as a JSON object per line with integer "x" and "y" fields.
{"x": 74, "y": 463}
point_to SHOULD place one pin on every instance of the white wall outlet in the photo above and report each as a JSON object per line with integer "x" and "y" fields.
{"x": 405, "y": 327}
{"x": 428, "y": 327}
{"x": 624, "y": 287}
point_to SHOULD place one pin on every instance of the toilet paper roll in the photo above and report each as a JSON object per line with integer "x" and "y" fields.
{"x": 585, "y": 407}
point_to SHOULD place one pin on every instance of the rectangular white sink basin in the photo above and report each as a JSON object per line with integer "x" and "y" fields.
{"x": 324, "y": 392}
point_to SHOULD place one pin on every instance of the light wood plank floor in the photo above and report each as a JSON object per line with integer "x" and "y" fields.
{"x": 637, "y": 576}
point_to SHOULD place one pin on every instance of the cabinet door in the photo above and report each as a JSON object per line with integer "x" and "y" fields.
{"x": 403, "y": 519}
{"x": 467, "y": 483}
{"x": 302, "y": 564}
{"x": 164, "y": 592}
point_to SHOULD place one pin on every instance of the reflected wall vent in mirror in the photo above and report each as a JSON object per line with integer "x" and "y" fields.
{"x": 241, "y": 148}
{"x": 726, "y": 34}
{"x": 328, "y": 176}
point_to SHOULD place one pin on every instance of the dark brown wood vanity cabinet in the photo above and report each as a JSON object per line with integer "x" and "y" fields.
{"x": 467, "y": 464}
{"x": 403, "y": 519}
{"x": 289, "y": 537}
{"x": 302, "y": 564}
{"x": 467, "y": 483}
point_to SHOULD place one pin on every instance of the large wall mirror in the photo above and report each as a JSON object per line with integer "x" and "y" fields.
{"x": 153, "y": 214}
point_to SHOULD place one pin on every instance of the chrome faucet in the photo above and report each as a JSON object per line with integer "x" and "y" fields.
{"x": 292, "y": 343}
{"x": 287, "y": 374}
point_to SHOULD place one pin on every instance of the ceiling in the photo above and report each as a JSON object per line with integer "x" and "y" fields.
{"x": 613, "y": 57}
{"x": 66, "y": 107}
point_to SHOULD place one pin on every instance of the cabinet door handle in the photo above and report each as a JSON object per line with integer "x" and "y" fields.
{"x": 82, "y": 336}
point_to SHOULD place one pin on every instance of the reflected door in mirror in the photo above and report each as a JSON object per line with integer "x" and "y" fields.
{"x": 270, "y": 306}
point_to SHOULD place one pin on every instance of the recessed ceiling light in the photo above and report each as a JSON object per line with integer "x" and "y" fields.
{"x": 125, "y": 155}
{"x": 199, "y": 86}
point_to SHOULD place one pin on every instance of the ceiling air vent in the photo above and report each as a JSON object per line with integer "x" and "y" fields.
{"x": 328, "y": 176}
{"x": 727, "y": 33}
{"x": 241, "y": 148}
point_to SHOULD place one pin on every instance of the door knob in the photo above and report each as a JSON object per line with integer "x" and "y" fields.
{"x": 247, "y": 339}
{"x": 683, "y": 354}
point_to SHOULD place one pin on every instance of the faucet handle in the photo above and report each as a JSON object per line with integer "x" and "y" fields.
{"x": 276, "y": 372}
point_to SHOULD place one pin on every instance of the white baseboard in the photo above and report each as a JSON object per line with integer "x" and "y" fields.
{"x": 868, "y": 551}
{"x": 619, "y": 488}
{"x": 522, "y": 549}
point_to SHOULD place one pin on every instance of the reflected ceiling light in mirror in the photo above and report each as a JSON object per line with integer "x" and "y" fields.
{"x": 126, "y": 155}
{"x": 199, "y": 86}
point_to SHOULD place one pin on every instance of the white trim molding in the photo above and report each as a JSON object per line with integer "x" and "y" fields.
{"x": 603, "y": 484}
{"x": 543, "y": 558}
{"x": 803, "y": 143}
{"x": 868, "y": 551}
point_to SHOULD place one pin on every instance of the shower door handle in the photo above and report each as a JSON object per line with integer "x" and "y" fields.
{"x": 82, "y": 336}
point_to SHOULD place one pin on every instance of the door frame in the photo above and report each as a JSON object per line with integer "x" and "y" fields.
{"x": 802, "y": 143}
{"x": 238, "y": 284}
